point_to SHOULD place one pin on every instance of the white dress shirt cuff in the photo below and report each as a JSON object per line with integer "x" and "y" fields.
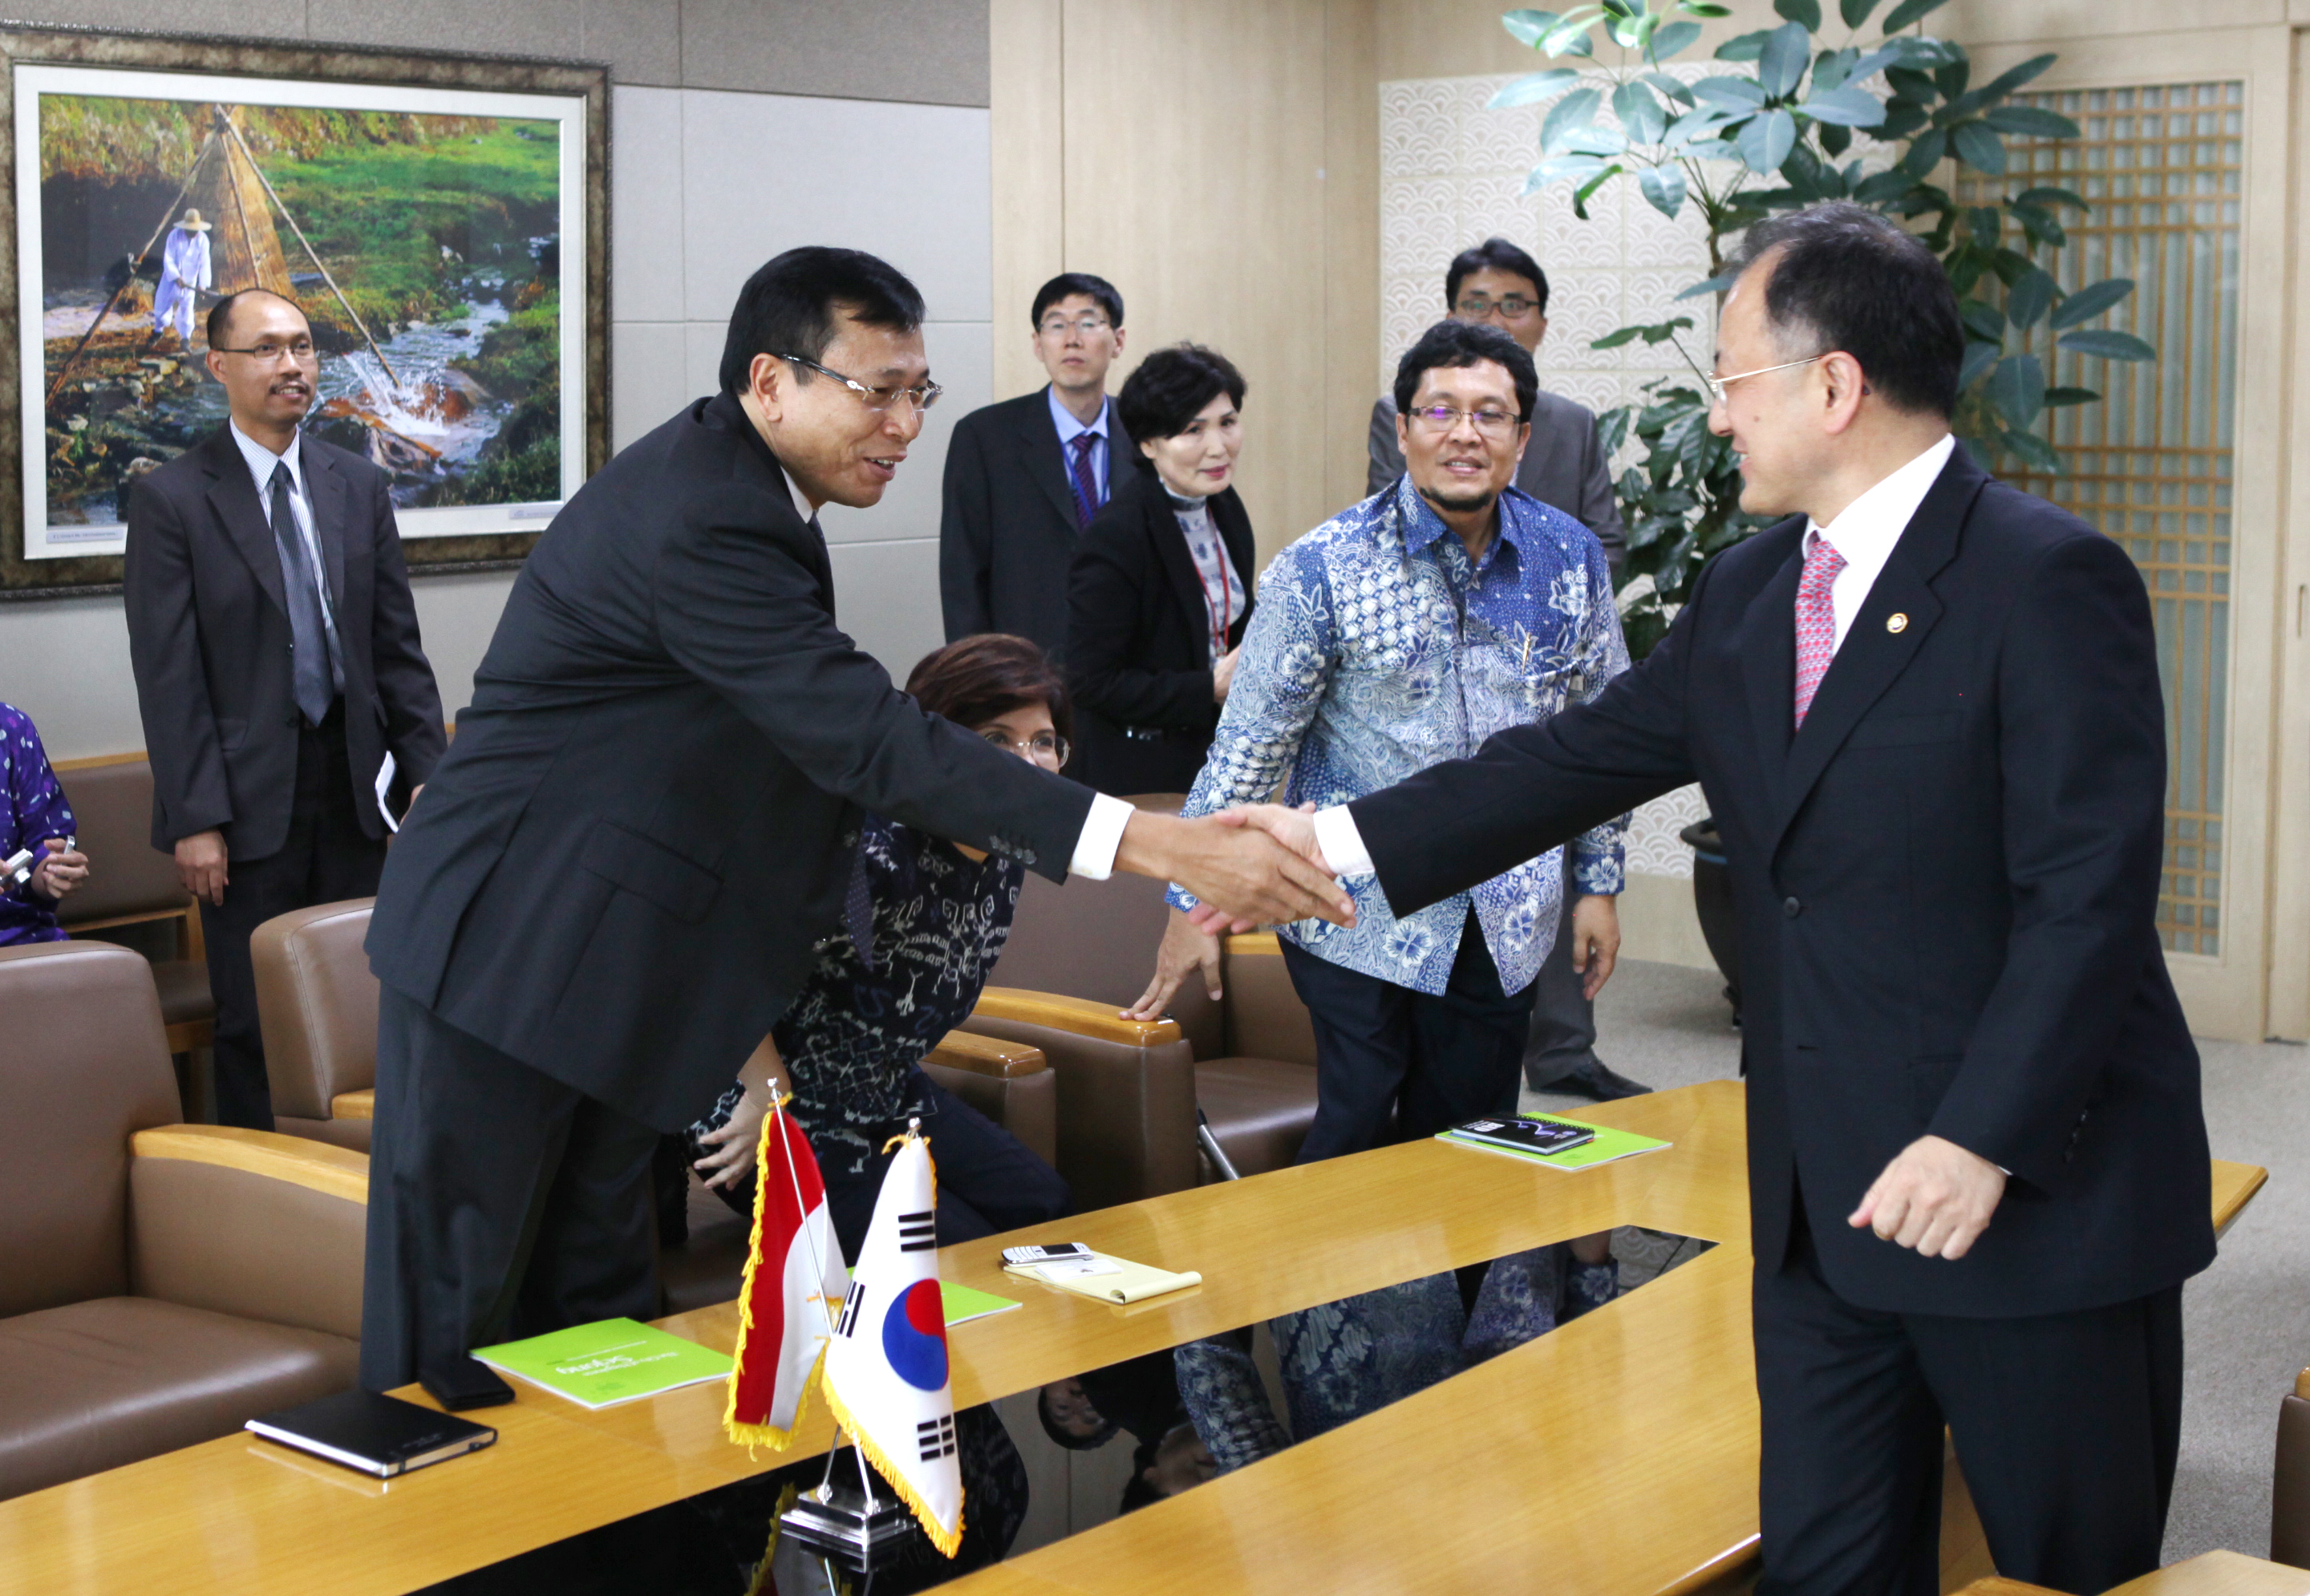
{"x": 1102, "y": 834}
{"x": 1342, "y": 844}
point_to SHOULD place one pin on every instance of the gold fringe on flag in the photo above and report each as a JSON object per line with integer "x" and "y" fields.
{"x": 947, "y": 1541}
{"x": 751, "y": 1436}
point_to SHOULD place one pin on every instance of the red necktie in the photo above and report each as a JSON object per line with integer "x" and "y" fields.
{"x": 1816, "y": 620}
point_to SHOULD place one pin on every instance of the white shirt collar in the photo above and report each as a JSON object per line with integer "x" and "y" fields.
{"x": 1064, "y": 419}
{"x": 1865, "y": 532}
{"x": 262, "y": 460}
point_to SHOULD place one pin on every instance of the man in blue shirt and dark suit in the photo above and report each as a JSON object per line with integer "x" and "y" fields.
{"x": 1025, "y": 476}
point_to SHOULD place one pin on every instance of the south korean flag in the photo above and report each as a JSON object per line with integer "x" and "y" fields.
{"x": 886, "y": 1367}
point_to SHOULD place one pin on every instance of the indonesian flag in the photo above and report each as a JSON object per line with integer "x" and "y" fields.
{"x": 886, "y": 1369}
{"x": 794, "y": 1280}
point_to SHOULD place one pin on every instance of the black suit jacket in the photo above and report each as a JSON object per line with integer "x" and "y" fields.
{"x": 209, "y": 641}
{"x": 1562, "y": 466}
{"x": 650, "y": 814}
{"x": 1008, "y": 529}
{"x": 1947, "y": 885}
{"x": 1139, "y": 639}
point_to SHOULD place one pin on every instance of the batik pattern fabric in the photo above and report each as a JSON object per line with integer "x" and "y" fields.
{"x": 36, "y": 811}
{"x": 1340, "y": 1360}
{"x": 855, "y": 1035}
{"x": 1380, "y": 649}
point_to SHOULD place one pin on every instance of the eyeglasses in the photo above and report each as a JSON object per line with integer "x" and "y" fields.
{"x": 874, "y": 399}
{"x": 1059, "y": 326}
{"x": 1717, "y": 384}
{"x": 1511, "y": 307}
{"x": 1490, "y": 422}
{"x": 1044, "y": 747}
{"x": 269, "y": 354}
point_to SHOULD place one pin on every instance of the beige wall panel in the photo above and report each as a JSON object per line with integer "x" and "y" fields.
{"x": 1194, "y": 138}
{"x": 1450, "y": 39}
{"x": 2289, "y": 923}
{"x": 1351, "y": 313}
{"x": 1029, "y": 187}
{"x": 2048, "y": 24}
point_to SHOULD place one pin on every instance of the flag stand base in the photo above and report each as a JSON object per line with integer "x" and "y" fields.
{"x": 844, "y": 1527}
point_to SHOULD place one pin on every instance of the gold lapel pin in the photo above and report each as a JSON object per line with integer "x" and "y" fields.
{"x": 1897, "y": 623}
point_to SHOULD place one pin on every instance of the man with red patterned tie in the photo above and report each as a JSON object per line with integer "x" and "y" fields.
{"x": 1925, "y": 709}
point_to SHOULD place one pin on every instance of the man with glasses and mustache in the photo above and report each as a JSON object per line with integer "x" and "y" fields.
{"x": 277, "y": 662}
{"x": 1497, "y": 284}
{"x": 1025, "y": 476}
{"x": 620, "y": 875}
{"x": 1403, "y": 632}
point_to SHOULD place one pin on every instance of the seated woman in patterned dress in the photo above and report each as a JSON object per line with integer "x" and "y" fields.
{"x": 33, "y": 815}
{"x": 851, "y": 1046}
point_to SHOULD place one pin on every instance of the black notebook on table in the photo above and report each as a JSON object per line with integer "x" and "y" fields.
{"x": 1527, "y": 1133}
{"x": 377, "y": 1435}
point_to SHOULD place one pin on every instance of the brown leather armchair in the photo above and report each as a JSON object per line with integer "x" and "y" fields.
{"x": 1127, "y": 1091}
{"x": 317, "y": 1006}
{"x": 130, "y": 883}
{"x": 2290, "y": 1507}
{"x": 160, "y": 1283}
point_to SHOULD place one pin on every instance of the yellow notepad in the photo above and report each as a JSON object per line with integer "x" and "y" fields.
{"x": 1105, "y": 1279}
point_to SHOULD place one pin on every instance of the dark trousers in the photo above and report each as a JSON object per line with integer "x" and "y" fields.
{"x": 1563, "y": 1034}
{"x": 2066, "y": 1424}
{"x": 988, "y": 1182}
{"x": 328, "y": 857}
{"x": 1383, "y": 1050}
{"x": 501, "y": 1202}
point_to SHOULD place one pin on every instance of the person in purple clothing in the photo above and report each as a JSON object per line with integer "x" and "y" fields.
{"x": 36, "y": 817}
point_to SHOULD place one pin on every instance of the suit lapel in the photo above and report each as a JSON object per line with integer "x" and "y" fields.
{"x": 326, "y": 490}
{"x": 1768, "y": 648}
{"x": 1873, "y": 654}
{"x": 1171, "y": 540}
{"x": 232, "y": 493}
{"x": 1038, "y": 441}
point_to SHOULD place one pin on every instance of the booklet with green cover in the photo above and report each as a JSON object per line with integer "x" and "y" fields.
{"x": 1608, "y": 1145}
{"x": 965, "y": 1303}
{"x": 601, "y": 1364}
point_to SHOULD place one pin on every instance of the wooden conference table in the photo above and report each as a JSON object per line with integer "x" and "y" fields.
{"x": 1637, "y": 1423}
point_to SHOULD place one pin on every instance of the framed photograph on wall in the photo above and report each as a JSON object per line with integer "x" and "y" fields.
{"x": 441, "y": 220}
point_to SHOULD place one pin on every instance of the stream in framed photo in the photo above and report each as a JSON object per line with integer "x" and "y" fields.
{"x": 434, "y": 237}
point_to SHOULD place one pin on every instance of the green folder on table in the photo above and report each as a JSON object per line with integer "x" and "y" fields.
{"x": 1607, "y": 1145}
{"x": 603, "y": 1364}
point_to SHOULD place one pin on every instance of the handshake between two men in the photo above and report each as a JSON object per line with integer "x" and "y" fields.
{"x": 1252, "y": 866}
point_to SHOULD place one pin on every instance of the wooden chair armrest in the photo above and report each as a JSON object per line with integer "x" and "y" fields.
{"x": 1255, "y": 943}
{"x": 1077, "y": 1016}
{"x": 2302, "y": 1385}
{"x": 2235, "y": 1186}
{"x": 987, "y": 1055}
{"x": 316, "y": 1165}
{"x": 359, "y": 1105}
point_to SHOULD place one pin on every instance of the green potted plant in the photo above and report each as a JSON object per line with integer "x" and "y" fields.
{"x": 1777, "y": 131}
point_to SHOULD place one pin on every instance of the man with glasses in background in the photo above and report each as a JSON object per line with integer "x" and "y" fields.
{"x": 278, "y": 666}
{"x": 1025, "y": 476}
{"x": 1498, "y": 284}
{"x": 1404, "y": 631}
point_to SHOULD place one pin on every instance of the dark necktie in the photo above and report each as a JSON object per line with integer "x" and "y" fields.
{"x": 1086, "y": 484}
{"x": 314, "y": 671}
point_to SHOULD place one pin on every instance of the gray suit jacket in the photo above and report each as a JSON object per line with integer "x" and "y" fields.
{"x": 1562, "y": 466}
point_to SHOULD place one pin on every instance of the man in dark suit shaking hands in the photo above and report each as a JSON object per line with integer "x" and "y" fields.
{"x": 1925, "y": 709}
{"x": 277, "y": 662}
{"x": 1025, "y": 476}
{"x": 618, "y": 876}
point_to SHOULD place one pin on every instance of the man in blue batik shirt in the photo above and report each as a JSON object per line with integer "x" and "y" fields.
{"x": 1401, "y": 633}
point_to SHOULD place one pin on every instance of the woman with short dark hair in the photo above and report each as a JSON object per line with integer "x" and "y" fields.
{"x": 1161, "y": 588}
{"x": 851, "y": 1046}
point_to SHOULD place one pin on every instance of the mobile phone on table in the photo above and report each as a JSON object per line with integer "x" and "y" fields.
{"x": 1053, "y": 1253}
{"x": 464, "y": 1383}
